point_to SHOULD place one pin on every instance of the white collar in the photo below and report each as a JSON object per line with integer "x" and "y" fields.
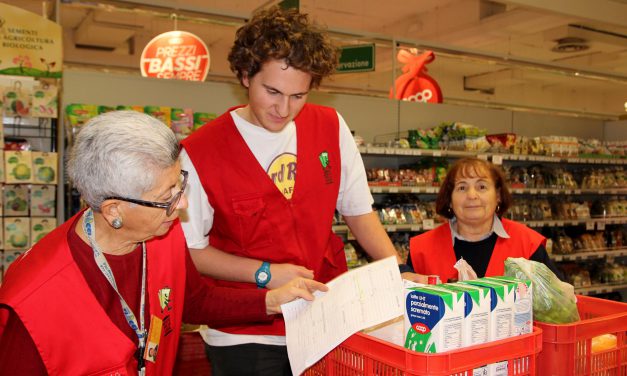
{"x": 497, "y": 228}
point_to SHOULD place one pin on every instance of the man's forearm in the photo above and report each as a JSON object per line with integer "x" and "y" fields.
{"x": 217, "y": 264}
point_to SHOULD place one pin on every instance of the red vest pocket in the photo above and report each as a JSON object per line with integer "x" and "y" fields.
{"x": 253, "y": 225}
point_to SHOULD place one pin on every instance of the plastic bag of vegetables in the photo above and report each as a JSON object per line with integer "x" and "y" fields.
{"x": 554, "y": 301}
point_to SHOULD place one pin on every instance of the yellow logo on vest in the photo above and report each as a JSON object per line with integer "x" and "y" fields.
{"x": 282, "y": 171}
{"x": 164, "y": 298}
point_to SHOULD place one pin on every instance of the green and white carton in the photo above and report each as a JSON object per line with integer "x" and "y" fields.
{"x": 433, "y": 319}
{"x": 476, "y": 328}
{"x": 523, "y": 303}
{"x": 501, "y": 307}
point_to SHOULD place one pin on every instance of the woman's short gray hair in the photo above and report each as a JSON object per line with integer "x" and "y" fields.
{"x": 120, "y": 153}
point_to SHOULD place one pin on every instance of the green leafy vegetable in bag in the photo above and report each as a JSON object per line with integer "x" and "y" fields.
{"x": 554, "y": 301}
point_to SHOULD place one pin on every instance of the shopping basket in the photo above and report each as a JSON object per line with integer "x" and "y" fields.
{"x": 567, "y": 348}
{"x": 365, "y": 355}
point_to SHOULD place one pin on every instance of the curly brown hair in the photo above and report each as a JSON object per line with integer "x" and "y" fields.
{"x": 282, "y": 34}
{"x": 472, "y": 167}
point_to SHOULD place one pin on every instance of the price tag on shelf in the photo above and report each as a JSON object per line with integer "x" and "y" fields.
{"x": 600, "y": 226}
{"x": 559, "y": 224}
{"x": 393, "y": 190}
{"x": 428, "y": 224}
{"x": 577, "y": 191}
{"x": 390, "y": 228}
{"x": 568, "y": 191}
{"x": 497, "y": 159}
{"x": 589, "y": 225}
{"x": 376, "y": 189}
{"x": 414, "y": 228}
{"x": 437, "y": 153}
{"x": 483, "y": 156}
{"x": 415, "y": 190}
{"x": 543, "y": 191}
{"x": 417, "y": 152}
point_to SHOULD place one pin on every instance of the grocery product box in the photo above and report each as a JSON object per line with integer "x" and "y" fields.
{"x": 523, "y": 303}
{"x": 501, "y": 307}
{"x": 45, "y": 167}
{"x": 202, "y": 118}
{"x": 182, "y": 121}
{"x": 18, "y": 166}
{"x": 162, "y": 113}
{"x": 9, "y": 257}
{"x": 43, "y": 200}
{"x": 16, "y": 233}
{"x": 15, "y": 199}
{"x": 476, "y": 327}
{"x": 40, "y": 227}
{"x": 433, "y": 319}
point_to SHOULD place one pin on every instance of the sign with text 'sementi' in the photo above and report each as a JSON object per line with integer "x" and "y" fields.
{"x": 176, "y": 55}
{"x": 30, "y": 45}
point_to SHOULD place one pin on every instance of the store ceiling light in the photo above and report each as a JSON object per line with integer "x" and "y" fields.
{"x": 570, "y": 44}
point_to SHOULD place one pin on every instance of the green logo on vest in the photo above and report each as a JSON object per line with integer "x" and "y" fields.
{"x": 324, "y": 159}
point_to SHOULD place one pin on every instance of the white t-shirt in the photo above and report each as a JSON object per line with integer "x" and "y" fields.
{"x": 354, "y": 196}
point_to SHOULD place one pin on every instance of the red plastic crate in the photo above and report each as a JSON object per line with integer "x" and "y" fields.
{"x": 364, "y": 355}
{"x": 567, "y": 347}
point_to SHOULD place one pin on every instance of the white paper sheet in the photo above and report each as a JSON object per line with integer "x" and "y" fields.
{"x": 357, "y": 299}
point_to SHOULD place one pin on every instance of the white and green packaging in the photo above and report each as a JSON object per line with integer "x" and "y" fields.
{"x": 523, "y": 303}
{"x": 501, "y": 307}
{"x": 433, "y": 319}
{"x": 476, "y": 328}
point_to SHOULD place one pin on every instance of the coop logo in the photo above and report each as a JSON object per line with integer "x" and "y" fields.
{"x": 176, "y": 55}
{"x": 421, "y": 328}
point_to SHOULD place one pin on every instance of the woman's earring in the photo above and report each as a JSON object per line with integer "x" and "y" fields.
{"x": 116, "y": 223}
{"x": 498, "y": 207}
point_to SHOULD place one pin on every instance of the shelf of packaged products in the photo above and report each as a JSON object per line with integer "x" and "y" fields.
{"x": 600, "y": 289}
{"x": 591, "y": 224}
{"x": 521, "y": 191}
{"x": 375, "y": 150}
{"x": 591, "y": 254}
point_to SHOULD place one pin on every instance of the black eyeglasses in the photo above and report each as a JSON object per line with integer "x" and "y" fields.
{"x": 169, "y": 206}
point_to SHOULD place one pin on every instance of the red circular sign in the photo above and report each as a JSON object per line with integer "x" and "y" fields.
{"x": 175, "y": 55}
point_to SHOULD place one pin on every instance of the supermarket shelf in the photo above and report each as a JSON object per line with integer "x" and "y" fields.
{"x": 591, "y": 224}
{"x": 600, "y": 289}
{"x": 426, "y": 225}
{"x": 523, "y": 191}
{"x": 374, "y": 150}
{"x": 592, "y": 254}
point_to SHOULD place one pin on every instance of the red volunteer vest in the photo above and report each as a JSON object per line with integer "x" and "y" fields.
{"x": 252, "y": 217}
{"x": 72, "y": 332}
{"x": 432, "y": 252}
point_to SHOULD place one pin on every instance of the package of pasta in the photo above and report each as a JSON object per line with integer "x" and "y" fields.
{"x": 554, "y": 301}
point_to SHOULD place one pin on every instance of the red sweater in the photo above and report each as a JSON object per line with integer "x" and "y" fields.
{"x": 203, "y": 304}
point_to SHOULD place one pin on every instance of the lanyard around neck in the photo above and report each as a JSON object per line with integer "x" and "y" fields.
{"x": 103, "y": 265}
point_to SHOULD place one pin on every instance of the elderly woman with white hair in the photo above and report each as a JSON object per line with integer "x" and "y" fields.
{"x": 106, "y": 292}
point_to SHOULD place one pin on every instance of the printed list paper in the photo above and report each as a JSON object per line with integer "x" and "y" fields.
{"x": 356, "y": 300}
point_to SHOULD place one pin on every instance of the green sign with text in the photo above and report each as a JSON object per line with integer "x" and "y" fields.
{"x": 356, "y": 59}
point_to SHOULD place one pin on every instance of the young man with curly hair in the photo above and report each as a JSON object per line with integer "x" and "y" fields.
{"x": 264, "y": 182}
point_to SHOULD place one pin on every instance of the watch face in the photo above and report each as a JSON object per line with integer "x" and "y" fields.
{"x": 262, "y": 277}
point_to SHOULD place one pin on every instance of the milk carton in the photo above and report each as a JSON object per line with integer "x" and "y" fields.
{"x": 433, "y": 319}
{"x": 501, "y": 307}
{"x": 476, "y": 328}
{"x": 523, "y": 303}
